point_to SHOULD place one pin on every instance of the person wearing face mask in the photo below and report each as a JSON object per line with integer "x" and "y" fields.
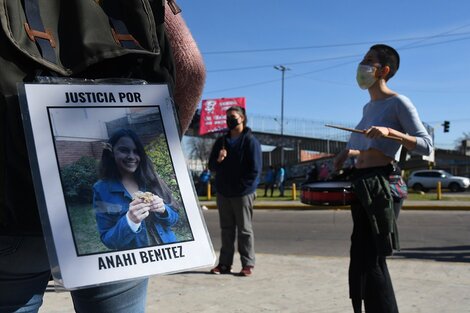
{"x": 237, "y": 162}
{"x": 374, "y": 214}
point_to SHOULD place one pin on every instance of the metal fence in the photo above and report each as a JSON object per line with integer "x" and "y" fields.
{"x": 299, "y": 127}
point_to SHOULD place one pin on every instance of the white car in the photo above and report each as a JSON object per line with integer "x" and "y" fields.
{"x": 424, "y": 180}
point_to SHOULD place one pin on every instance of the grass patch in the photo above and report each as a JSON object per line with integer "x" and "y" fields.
{"x": 85, "y": 230}
{"x": 433, "y": 196}
{"x": 87, "y": 238}
{"x": 429, "y": 196}
{"x": 260, "y": 195}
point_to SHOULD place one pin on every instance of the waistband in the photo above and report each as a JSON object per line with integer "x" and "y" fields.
{"x": 385, "y": 170}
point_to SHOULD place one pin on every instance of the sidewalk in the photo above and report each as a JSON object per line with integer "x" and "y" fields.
{"x": 299, "y": 284}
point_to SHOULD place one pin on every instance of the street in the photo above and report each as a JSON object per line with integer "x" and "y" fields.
{"x": 302, "y": 264}
{"x": 434, "y": 235}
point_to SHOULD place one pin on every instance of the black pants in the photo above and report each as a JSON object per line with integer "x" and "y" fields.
{"x": 369, "y": 279}
{"x": 269, "y": 186}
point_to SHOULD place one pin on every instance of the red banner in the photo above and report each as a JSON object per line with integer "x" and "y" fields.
{"x": 213, "y": 113}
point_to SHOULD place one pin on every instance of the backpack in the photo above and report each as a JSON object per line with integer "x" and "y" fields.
{"x": 84, "y": 39}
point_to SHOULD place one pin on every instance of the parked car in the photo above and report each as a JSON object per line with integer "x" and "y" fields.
{"x": 424, "y": 180}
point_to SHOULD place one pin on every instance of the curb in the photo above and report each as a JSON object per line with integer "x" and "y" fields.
{"x": 279, "y": 205}
{"x": 436, "y": 208}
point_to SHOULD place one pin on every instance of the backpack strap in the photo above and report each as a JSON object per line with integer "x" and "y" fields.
{"x": 36, "y": 31}
{"x": 46, "y": 42}
{"x": 120, "y": 32}
{"x": 174, "y": 7}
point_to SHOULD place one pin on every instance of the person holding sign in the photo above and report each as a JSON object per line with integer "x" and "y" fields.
{"x": 24, "y": 266}
{"x": 134, "y": 208}
{"x": 374, "y": 235}
{"x": 236, "y": 160}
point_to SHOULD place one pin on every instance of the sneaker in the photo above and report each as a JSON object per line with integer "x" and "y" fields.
{"x": 246, "y": 271}
{"x": 221, "y": 269}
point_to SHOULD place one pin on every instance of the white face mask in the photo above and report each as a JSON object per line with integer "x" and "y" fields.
{"x": 365, "y": 76}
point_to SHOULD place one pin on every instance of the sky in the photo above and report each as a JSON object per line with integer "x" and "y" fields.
{"x": 321, "y": 43}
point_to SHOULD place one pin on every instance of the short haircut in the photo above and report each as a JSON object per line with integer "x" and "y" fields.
{"x": 240, "y": 111}
{"x": 387, "y": 56}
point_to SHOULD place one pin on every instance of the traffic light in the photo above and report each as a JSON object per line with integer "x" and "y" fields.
{"x": 446, "y": 126}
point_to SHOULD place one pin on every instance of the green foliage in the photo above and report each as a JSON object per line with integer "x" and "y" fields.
{"x": 159, "y": 154}
{"x": 78, "y": 179}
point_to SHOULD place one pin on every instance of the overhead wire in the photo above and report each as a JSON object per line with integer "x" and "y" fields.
{"x": 406, "y": 47}
{"x": 420, "y": 38}
{"x": 286, "y": 63}
{"x": 332, "y": 58}
{"x": 446, "y": 33}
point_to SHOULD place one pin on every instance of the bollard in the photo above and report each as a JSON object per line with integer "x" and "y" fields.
{"x": 294, "y": 192}
{"x": 439, "y": 190}
{"x": 208, "y": 191}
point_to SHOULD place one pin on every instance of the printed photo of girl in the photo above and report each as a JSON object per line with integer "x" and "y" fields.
{"x": 134, "y": 207}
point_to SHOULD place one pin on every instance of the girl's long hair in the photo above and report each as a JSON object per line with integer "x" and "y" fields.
{"x": 145, "y": 175}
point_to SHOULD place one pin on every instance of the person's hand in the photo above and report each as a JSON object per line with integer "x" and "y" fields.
{"x": 138, "y": 210}
{"x": 222, "y": 155}
{"x": 157, "y": 205}
{"x": 377, "y": 132}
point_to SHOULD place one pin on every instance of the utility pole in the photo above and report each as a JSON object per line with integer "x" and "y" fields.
{"x": 283, "y": 69}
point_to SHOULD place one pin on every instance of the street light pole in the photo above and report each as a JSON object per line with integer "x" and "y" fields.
{"x": 283, "y": 69}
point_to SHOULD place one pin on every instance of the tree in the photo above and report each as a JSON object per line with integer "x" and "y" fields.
{"x": 460, "y": 142}
{"x": 78, "y": 179}
{"x": 158, "y": 152}
{"x": 200, "y": 149}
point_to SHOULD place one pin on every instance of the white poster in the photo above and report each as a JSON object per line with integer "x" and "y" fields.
{"x": 115, "y": 196}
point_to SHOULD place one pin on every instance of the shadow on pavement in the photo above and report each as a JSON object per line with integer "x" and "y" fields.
{"x": 442, "y": 254}
{"x": 195, "y": 273}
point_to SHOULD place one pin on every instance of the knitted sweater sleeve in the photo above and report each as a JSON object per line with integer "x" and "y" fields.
{"x": 190, "y": 68}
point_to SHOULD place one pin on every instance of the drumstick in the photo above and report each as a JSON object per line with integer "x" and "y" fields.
{"x": 361, "y": 131}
